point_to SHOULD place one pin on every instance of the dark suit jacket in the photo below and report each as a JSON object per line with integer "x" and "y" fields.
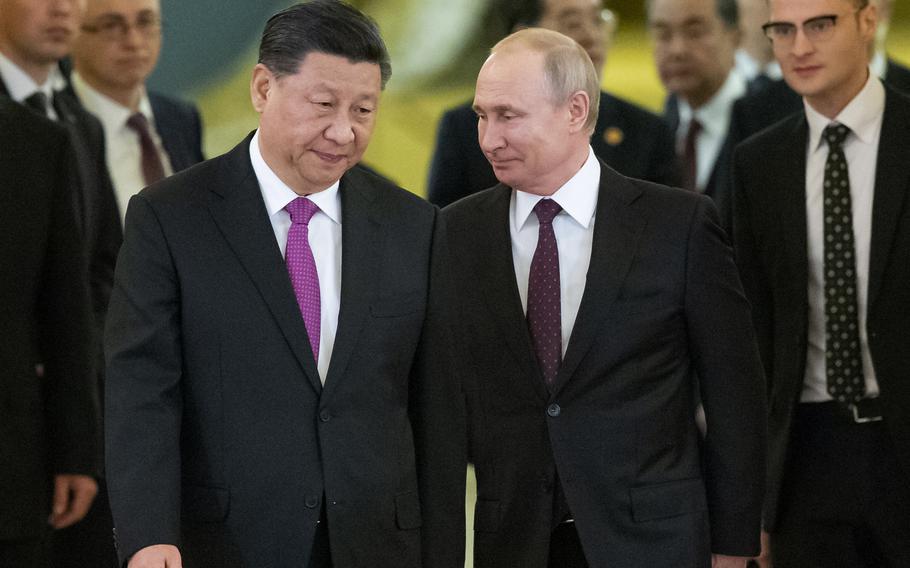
{"x": 96, "y": 206}
{"x": 662, "y": 302}
{"x": 48, "y": 425}
{"x": 776, "y": 101}
{"x": 217, "y": 422}
{"x": 180, "y": 128}
{"x": 719, "y": 182}
{"x": 771, "y": 245}
{"x": 629, "y": 138}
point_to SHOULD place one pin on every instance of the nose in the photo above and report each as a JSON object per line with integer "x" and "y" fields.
{"x": 801, "y": 44}
{"x": 489, "y": 137}
{"x": 341, "y": 130}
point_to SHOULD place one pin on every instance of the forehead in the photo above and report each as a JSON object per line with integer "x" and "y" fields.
{"x": 510, "y": 76}
{"x": 98, "y": 7}
{"x": 798, "y": 10}
{"x": 679, "y": 11}
{"x": 564, "y": 8}
{"x": 338, "y": 74}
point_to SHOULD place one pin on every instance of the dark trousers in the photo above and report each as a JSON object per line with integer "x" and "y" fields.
{"x": 32, "y": 553}
{"x": 565, "y": 548}
{"x": 846, "y": 498}
{"x": 90, "y": 542}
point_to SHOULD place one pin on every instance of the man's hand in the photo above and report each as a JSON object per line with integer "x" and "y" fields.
{"x": 157, "y": 556}
{"x": 73, "y": 495}
{"x": 721, "y": 561}
{"x": 764, "y": 559}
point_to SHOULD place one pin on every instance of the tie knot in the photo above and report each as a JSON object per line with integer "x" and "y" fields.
{"x": 546, "y": 210}
{"x": 301, "y": 210}
{"x": 37, "y": 101}
{"x": 835, "y": 134}
{"x": 695, "y": 128}
{"x": 138, "y": 122}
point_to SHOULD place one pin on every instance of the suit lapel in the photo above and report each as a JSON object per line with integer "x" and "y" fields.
{"x": 240, "y": 214}
{"x": 618, "y": 226}
{"x": 892, "y": 178}
{"x": 490, "y": 256}
{"x": 362, "y": 245}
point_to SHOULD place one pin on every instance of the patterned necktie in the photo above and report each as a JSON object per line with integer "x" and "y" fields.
{"x": 152, "y": 168}
{"x": 544, "y": 311}
{"x": 843, "y": 359}
{"x": 37, "y": 101}
{"x": 302, "y": 268}
{"x": 690, "y": 155}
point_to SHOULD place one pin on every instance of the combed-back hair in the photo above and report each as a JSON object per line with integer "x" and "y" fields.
{"x": 323, "y": 26}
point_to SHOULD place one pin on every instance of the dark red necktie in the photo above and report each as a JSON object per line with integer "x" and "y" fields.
{"x": 152, "y": 168}
{"x": 690, "y": 155}
{"x": 544, "y": 310}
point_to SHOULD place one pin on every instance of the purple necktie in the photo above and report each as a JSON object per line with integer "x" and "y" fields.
{"x": 152, "y": 168}
{"x": 544, "y": 311}
{"x": 302, "y": 268}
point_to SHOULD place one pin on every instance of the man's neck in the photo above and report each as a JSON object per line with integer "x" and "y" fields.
{"x": 831, "y": 105}
{"x": 127, "y": 97}
{"x": 39, "y": 72}
{"x": 700, "y": 98}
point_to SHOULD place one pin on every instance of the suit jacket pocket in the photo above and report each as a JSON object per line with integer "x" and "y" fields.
{"x": 407, "y": 511}
{"x": 393, "y": 307}
{"x": 663, "y": 500}
{"x": 487, "y": 516}
{"x": 205, "y": 504}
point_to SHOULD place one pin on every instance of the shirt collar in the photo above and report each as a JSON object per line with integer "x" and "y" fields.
{"x": 112, "y": 114}
{"x": 862, "y": 115}
{"x": 20, "y": 84}
{"x": 577, "y": 197}
{"x": 714, "y": 114}
{"x": 277, "y": 194}
{"x": 879, "y": 64}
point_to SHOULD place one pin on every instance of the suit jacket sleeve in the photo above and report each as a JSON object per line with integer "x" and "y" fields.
{"x": 143, "y": 387}
{"x": 67, "y": 339}
{"x": 726, "y": 360}
{"x": 448, "y": 180}
{"x": 438, "y": 417}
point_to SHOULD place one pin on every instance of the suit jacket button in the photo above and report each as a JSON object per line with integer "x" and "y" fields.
{"x": 311, "y": 501}
{"x": 324, "y": 416}
{"x": 553, "y": 410}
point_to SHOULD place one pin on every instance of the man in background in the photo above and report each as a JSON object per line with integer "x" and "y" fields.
{"x": 694, "y": 45}
{"x": 634, "y": 141}
{"x": 48, "y": 421}
{"x": 148, "y": 136}
{"x": 823, "y": 246}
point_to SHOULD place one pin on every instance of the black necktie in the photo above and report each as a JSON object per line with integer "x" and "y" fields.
{"x": 843, "y": 357}
{"x": 544, "y": 309}
{"x": 37, "y": 101}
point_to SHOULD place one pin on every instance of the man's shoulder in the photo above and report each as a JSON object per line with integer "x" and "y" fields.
{"x": 392, "y": 195}
{"x": 618, "y": 109}
{"x": 770, "y": 138}
{"x": 171, "y": 106}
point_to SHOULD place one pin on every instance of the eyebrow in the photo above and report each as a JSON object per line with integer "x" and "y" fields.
{"x": 807, "y": 20}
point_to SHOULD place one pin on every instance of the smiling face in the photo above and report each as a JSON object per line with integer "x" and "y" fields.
{"x": 112, "y": 62}
{"x": 828, "y": 72}
{"x": 36, "y": 34}
{"x": 315, "y": 125}
{"x": 533, "y": 143}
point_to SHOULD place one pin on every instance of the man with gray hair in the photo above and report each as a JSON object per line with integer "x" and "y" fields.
{"x": 587, "y": 304}
{"x": 268, "y": 327}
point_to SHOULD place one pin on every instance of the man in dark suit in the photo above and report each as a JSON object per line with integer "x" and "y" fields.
{"x": 267, "y": 328}
{"x": 48, "y": 419}
{"x": 634, "y": 141}
{"x": 694, "y": 45}
{"x": 149, "y": 136}
{"x": 823, "y": 245}
{"x": 587, "y": 302}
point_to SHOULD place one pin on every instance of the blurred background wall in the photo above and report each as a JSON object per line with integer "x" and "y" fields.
{"x": 437, "y": 46}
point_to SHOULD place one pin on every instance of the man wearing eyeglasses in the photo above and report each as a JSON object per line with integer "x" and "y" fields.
{"x": 823, "y": 243}
{"x": 148, "y": 135}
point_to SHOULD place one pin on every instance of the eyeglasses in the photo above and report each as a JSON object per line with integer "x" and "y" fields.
{"x": 113, "y": 28}
{"x": 817, "y": 29}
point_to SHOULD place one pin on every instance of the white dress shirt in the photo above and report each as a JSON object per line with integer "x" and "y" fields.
{"x": 325, "y": 241}
{"x": 863, "y": 115}
{"x": 122, "y": 148}
{"x": 714, "y": 117}
{"x": 574, "y": 229}
{"x": 21, "y": 86}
